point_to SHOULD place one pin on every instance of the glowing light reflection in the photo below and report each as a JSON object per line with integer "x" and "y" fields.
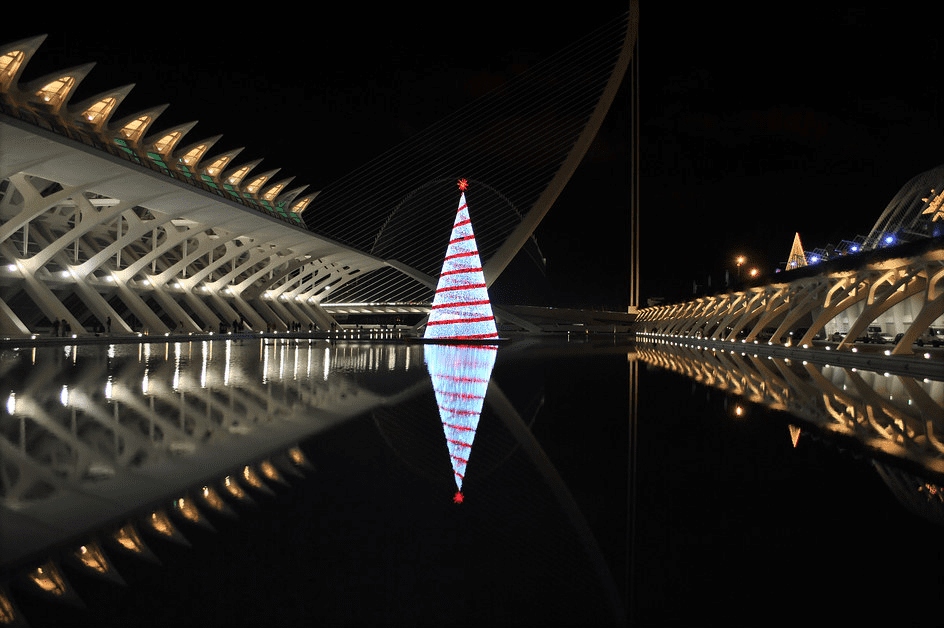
{"x": 460, "y": 375}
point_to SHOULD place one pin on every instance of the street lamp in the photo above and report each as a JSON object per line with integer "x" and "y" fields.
{"x": 739, "y": 260}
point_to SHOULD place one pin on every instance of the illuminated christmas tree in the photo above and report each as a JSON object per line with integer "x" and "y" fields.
{"x": 460, "y": 375}
{"x": 461, "y": 309}
{"x": 797, "y": 254}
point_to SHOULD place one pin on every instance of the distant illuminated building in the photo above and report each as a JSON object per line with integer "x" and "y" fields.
{"x": 935, "y": 209}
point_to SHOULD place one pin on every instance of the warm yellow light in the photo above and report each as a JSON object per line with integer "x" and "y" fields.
{"x": 161, "y": 523}
{"x": 296, "y": 455}
{"x": 128, "y": 538}
{"x": 251, "y": 477}
{"x": 269, "y": 471}
{"x": 187, "y": 509}
{"x": 194, "y": 155}
{"x": 7, "y": 614}
{"x": 233, "y": 488}
{"x": 100, "y": 110}
{"x": 10, "y": 62}
{"x": 55, "y": 92}
{"x": 217, "y": 165}
{"x": 92, "y": 557}
{"x": 253, "y": 186}
{"x": 48, "y": 579}
{"x": 167, "y": 141}
{"x": 134, "y": 129}
{"x": 213, "y": 498}
{"x": 236, "y": 177}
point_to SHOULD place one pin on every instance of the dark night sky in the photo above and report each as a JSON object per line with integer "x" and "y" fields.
{"x": 753, "y": 127}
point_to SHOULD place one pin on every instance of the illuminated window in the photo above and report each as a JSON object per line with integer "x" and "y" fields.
{"x": 302, "y": 204}
{"x": 237, "y": 176}
{"x": 273, "y": 191}
{"x": 135, "y": 129}
{"x": 233, "y": 488}
{"x": 194, "y": 155}
{"x": 269, "y": 471}
{"x": 251, "y": 477}
{"x": 54, "y": 93}
{"x": 164, "y": 144}
{"x": 217, "y": 165}
{"x": 100, "y": 110}
{"x": 253, "y": 186}
{"x": 128, "y": 538}
{"x": 161, "y": 523}
{"x": 48, "y": 579}
{"x": 7, "y": 613}
{"x": 188, "y": 510}
{"x": 297, "y": 456}
{"x": 213, "y": 498}
{"x": 92, "y": 557}
{"x": 9, "y": 65}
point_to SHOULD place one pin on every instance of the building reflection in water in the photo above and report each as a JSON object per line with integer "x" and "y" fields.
{"x": 100, "y": 443}
{"x": 896, "y": 420}
{"x": 105, "y": 449}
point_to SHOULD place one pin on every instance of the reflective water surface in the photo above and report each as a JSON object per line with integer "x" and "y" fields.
{"x": 567, "y": 481}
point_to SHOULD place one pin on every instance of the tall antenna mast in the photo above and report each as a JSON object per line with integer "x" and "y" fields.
{"x": 634, "y": 182}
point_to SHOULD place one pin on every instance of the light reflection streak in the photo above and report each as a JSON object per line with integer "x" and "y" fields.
{"x": 204, "y": 364}
{"x": 176, "y": 384}
{"x": 265, "y": 363}
{"x": 282, "y": 361}
{"x": 226, "y": 362}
